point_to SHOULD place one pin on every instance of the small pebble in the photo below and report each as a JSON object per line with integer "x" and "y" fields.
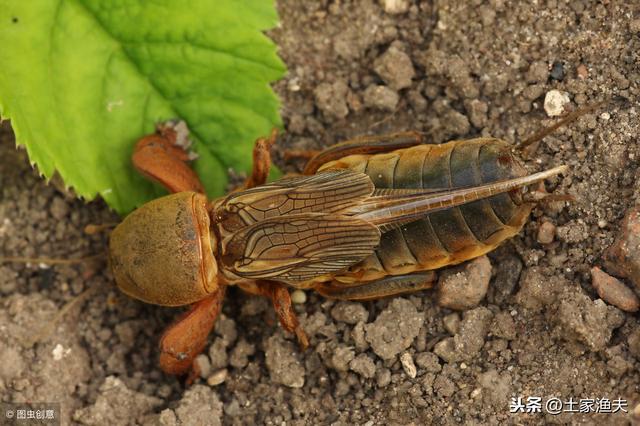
{"x": 451, "y": 323}
{"x": 538, "y": 290}
{"x": 58, "y": 352}
{"x": 463, "y": 287}
{"x": 497, "y": 387}
{"x": 218, "y": 354}
{"x": 446, "y": 350}
{"x": 226, "y": 328}
{"x": 363, "y": 365}
{"x": 613, "y": 291}
{"x": 460, "y": 76}
{"x": 349, "y": 312}
{"x": 533, "y": 92}
{"x": 557, "y": 71}
{"x": 331, "y": 99}
{"x": 477, "y": 112}
{"x": 341, "y": 358}
{"x": 407, "y": 365}
{"x": 203, "y": 365}
{"x": 199, "y": 405}
{"x": 582, "y": 71}
{"x": 218, "y": 377}
{"x": 444, "y": 386}
{"x": 538, "y": 72}
{"x": 395, "y": 7}
{"x": 466, "y": 344}
{"x": 115, "y": 403}
{"x": 294, "y": 84}
{"x": 240, "y": 354}
{"x": 298, "y": 297}
{"x": 358, "y": 336}
{"x": 555, "y": 102}
{"x": 633, "y": 343}
{"x": 59, "y": 208}
{"x": 623, "y": 257}
{"x": 395, "y": 68}
{"x": 428, "y": 361}
{"x": 281, "y": 361}
{"x": 394, "y": 329}
{"x": 635, "y": 414}
{"x": 503, "y": 326}
{"x": 586, "y": 321}
{"x": 506, "y": 279}
{"x": 574, "y": 231}
{"x": 383, "y": 377}
{"x": 380, "y": 97}
{"x": 546, "y": 233}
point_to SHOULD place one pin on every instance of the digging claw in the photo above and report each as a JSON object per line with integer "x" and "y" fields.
{"x": 178, "y": 132}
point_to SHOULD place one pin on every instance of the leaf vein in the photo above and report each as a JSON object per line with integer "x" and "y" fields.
{"x": 201, "y": 46}
{"x": 175, "y": 110}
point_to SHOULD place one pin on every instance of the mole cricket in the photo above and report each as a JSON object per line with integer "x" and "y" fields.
{"x": 368, "y": 218}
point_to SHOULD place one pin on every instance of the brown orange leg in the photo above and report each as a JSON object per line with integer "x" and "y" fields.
{"x": 364, "y": 145}
{"x": 261, "y": 161}
{"x": 163, "y": 157}
{"x": 377, "y": 289}
{"x": 281, "y": 300}
{"x": 296, "y": 154}
{"x": 187, "y": 336}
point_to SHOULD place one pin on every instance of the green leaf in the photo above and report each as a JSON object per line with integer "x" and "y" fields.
{"x": 82, "y": 80}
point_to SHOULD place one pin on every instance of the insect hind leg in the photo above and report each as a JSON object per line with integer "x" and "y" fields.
{"x": 281, "y": 300}
{"x": 384, "y": 287}
{"x": 364, "y": 145}
{"x": 261, "y": 161}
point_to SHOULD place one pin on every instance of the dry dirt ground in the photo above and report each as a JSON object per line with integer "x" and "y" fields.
{"x": 452, "y": 70}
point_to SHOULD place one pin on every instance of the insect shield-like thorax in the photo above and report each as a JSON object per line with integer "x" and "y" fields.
{"x": 161, "y": 253}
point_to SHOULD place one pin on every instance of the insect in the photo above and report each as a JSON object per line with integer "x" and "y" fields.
{"x": 368, "y": 218}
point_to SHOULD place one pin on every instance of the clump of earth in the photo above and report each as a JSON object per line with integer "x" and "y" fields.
{"x": 526, "y": 321}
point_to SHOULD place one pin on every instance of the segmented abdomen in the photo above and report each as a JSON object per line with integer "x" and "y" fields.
{"x": 449, "y": 236}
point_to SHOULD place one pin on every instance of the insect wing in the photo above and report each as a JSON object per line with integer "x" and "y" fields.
{"x": 299, "y": 247}
{"x": 327, "y": 192}
{"x": 395, "y": 207}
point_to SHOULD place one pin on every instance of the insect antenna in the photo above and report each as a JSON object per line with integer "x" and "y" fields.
{"x": 50, "y": 260}
{"x": 568, "y": 118}
{"x": 48, "y": 329}
{"x": 90, "y": 229}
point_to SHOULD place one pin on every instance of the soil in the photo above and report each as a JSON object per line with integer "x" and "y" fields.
{"x": 451, "y": 70}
